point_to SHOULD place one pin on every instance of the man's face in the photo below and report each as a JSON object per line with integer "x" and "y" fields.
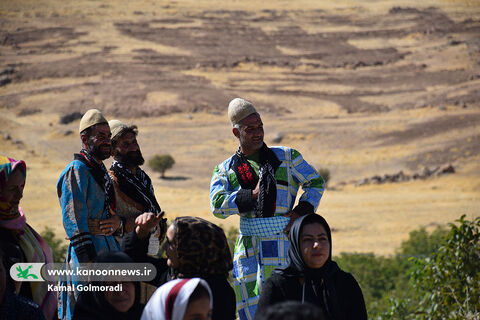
{"x": 251, "y": 133}
{"x": 127, "y": 150}
{"x": 99, "y": 144}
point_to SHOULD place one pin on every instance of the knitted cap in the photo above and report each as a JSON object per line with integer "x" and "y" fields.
{"x": 239, "y": 109}
{"x": 91, "y": 118}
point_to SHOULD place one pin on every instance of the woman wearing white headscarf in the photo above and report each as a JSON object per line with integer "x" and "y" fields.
{"x": 180, "y": 299}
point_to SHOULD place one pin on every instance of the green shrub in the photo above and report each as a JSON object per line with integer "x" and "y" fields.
{"x": 325, "y": 174}
{"x": 385, "y": 280}
{"x": 59, "y": 248}
{"x": 161, "y": 163}
{"x": 420, "y": 244}
{"x": 447, "y": 282}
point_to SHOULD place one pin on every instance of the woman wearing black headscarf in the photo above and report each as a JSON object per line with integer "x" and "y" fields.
{"x": 103, "y": 305}
{"x": 312, "y": 276}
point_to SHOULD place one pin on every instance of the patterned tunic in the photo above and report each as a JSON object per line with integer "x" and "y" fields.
{"x": 262, "y": 245}
{"x": 81, "y": 198}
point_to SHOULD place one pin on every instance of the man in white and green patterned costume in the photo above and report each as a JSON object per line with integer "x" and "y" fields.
{"x": 260, "y": 184}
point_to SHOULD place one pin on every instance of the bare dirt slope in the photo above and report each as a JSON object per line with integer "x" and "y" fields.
{"x": 362, "y": 88}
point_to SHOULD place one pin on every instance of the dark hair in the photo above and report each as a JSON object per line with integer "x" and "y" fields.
{"x": 87, "y": 132}
{"x": 291, "y": 310}
{"x": 199, "y": 293}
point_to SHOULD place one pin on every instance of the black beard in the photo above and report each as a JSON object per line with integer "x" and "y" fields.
{"x": 130, "y": 159}
{"x": 96, "y": 152}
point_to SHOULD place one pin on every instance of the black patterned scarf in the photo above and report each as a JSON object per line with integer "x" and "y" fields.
{"x": 100, "y": 174}
{"x": 138, "y": 187}
{"x": 246, "y": 176}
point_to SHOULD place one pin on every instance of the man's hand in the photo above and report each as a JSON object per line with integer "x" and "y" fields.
{"x": 256, "y": 191}
{"x": 146, "y": 222}
{"x": 293, "y": 216}
{"x": 110, "y": 225}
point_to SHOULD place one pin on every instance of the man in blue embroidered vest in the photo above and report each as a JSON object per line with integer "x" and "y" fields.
{"x": 260, "y": 184}
{"x": 87, "y": 199}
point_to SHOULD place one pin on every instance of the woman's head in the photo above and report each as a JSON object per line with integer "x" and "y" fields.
{"x": 170, "y": 247}
{"x": 180, "y": 299}
{"x": 121, "y": 300}
{"x": 310, "y": 242}
{"x": 199, "y": 305}
{"x": 129, "y": 295}
{"x": 12, "y": 183}
{"x": 197, "y": 248}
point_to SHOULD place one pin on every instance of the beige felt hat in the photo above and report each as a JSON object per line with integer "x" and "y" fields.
{"x": 116, "y": 126}
{"x": 239, "y": 109}
{"x": 91, "y": 118}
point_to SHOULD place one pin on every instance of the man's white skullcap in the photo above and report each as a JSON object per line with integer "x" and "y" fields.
{"x": 239, "y": 109}
{"x": 91, "y": 118}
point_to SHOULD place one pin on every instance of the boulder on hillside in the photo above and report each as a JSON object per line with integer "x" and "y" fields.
{"x": 70, "y": 117}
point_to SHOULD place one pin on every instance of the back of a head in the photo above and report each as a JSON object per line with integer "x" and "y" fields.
{"x": 291, "y": 310}
{"x": 211, "y": 255}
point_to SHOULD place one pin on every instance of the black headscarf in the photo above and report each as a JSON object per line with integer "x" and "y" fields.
{"x": 319, "y": 288}
{"x": 296, "y": 262}
{"x": 93, "y": 305}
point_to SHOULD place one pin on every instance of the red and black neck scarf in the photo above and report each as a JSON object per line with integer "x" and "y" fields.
{"x": 266, "y": 202}
{"x": 138, "y": 187}
{"x": 100, "y": 174}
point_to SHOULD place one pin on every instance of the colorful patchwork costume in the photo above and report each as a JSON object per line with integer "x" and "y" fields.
{"x": 83, "y": 200}
{"x": 262, "y": 244}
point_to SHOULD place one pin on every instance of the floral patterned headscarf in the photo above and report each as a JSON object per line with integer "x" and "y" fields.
{"x": 7, "y": 165}
{"x": 202, "y": 248}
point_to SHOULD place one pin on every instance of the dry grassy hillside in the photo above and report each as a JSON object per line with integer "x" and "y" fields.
{"x": 361, "y": 88}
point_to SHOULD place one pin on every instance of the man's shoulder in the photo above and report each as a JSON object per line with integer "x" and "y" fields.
{"x": 74, "y": 167}
{"x": 283, "y": 152}
{"x": 225, "y": 164}
{"x": 145, "y": 175}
